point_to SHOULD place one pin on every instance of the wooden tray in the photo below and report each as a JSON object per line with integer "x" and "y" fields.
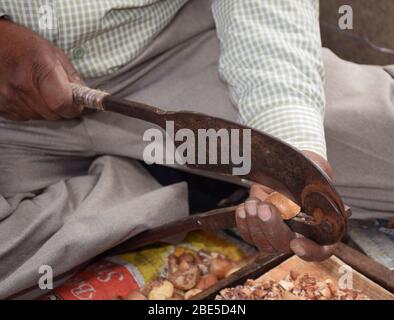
{"x": 373, "y": 279}
{"x": 331, "y": 269}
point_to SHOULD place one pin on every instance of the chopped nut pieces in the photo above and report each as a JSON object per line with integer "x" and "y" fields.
{"x": 206, "y": 281}
{"x": 162, "y": 291}
{"x": 293, "y": 287}
{"x": 183, "y": 272}
{"x": 188, "y": 275}
{"x": 220, "y": 266}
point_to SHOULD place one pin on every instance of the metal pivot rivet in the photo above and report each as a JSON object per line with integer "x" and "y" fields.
{"x": 327, "y": 226}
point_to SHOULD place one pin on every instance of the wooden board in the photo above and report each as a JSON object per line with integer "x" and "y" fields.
{"x": 332, "y": 269}
{"x": 366, "y": 266}
{"x": 372, "y": 278}
{"x": 257, "y": 266}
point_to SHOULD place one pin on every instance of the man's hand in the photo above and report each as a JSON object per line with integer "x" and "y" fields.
{"x": 259, "y": 223}
{"x": 34, "y": 77}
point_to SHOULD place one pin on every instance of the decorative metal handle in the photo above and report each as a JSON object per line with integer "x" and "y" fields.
{"x": 87, "y": 97}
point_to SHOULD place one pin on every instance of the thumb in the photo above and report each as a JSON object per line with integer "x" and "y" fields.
{"x": 56, "y": 91}
{"x": 309, "y": 250}
{"x": 71, "y": 71}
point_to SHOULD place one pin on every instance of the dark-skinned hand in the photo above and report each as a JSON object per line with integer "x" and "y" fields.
{"x": 34, "y": 77}
{"x": 260, "y": 224}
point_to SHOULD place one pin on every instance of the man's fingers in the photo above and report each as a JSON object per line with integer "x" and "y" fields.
{"x": 10, "y": 113}
{"x": 260, "y": 224}
{"x": 36, "y": 101}
{"x": 310, "y": 251}
{"x": 22, "y": 104}
{"x": 242, "y": 226}
{"x": 28, "y": 104}
{"x": 72, "y": 73}
{"x": 11, "y": 116}
{"x": 36, "y": 85}
{"x": 56, "y": 92}
{"x": 277, "y": 233}
{"x": 255, "y": 228}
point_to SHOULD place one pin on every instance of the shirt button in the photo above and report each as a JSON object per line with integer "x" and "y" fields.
{"x": 78, "y": 53}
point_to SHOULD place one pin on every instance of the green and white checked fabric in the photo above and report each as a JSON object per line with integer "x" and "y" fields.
{"x": 99, "y": 36}
{"x": 271, "y": 59}
{"x": 271, "y": 52}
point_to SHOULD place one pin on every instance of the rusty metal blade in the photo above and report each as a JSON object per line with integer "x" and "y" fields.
{"x": 273, "y": 163}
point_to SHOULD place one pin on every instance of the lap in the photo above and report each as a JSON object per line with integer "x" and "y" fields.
{"x": 75, "y": 219}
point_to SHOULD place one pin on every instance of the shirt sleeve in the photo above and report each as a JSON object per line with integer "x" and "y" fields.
{"x": 3, "y": 15}
{"x": 271, "y": 59}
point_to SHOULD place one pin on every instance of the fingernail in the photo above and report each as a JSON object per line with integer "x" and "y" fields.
{"x": 299, "y": 250}
{"x": 241, "y": 213}
{"x": 265, "y": 213}
{"x": 251, "y": 207}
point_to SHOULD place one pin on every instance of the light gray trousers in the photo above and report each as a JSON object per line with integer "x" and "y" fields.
{"x": 72, "y": 189}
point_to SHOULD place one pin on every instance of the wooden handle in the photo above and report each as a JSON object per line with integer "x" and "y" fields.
{"x": 87, "y": 97}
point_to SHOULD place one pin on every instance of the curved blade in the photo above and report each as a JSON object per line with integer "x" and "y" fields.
{"x": 273, "y": 163}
